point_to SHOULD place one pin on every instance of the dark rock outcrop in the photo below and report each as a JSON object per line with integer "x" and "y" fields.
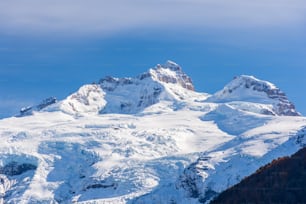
{"x": 14, "y": 168}
{"x": 179, "y": 78}
{"x": 29, "y": 110}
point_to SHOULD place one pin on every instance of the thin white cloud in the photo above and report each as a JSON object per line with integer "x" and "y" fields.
{"x": 106, "y": 17}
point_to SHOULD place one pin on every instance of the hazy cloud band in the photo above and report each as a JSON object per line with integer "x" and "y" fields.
{"x": 106, "y": 17}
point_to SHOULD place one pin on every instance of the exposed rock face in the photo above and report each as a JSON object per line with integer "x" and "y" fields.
{"x": 45, "y": 103}
{"x": 193, "y": 177}
{"x": 14, "y": 175}
{"x": 111, "y": 83}
{"x": 248, "y": 88}
{"x": 301, "y": 137}
{"x": 283, "y": 107}
{"x": 170, "y": 72}
{"x": 175, "y": 76}
{"x": 13, "y": 168}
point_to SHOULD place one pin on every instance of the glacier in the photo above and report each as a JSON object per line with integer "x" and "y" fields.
{"x": 147, "y": 139}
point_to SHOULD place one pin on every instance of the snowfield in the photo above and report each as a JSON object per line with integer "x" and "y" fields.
{"x": 149, "y": 139}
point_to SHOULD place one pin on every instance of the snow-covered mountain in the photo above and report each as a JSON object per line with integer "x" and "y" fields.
{"x": 130, "y": 95}
{"x": 148, "y": 139}
{"x": 249, "y": 89}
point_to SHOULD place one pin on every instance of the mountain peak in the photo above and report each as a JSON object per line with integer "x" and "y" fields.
{"x": 171, "y": 65}
{"x": 170, "y": 72}
{"x": 131, "y": 95}
{"x": 250, "y": 89}
{"x": 250, "y": 81}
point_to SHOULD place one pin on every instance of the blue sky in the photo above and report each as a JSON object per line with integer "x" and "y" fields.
{"x": 50, "y": 48}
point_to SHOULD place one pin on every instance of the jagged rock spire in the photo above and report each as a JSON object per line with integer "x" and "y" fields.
{"x": 170, "y": 72}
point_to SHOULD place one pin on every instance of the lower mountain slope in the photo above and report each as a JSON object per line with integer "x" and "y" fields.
{"x": 281, "y": 181}
{"x": 163, "y": 154}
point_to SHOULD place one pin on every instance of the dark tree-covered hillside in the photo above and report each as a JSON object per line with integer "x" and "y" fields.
{"x": 281, "y": 181}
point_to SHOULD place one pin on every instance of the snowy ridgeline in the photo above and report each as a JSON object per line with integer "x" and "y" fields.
{"x": 25, "y": 111}
{"x": 148, "y": 139}
{"x": 166, "y": 82}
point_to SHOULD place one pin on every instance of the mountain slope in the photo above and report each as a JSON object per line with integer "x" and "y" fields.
{"x": 148, "y": 139}
{"x": 281, "y": 181}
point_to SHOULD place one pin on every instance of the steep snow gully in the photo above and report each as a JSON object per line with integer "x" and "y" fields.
{"x": 148, "y": 139}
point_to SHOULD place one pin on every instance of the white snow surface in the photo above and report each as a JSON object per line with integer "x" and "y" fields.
{"x": 100, "y": 146}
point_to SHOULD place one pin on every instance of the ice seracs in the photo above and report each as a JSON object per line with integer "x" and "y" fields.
{"x": 250, "y": 89}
